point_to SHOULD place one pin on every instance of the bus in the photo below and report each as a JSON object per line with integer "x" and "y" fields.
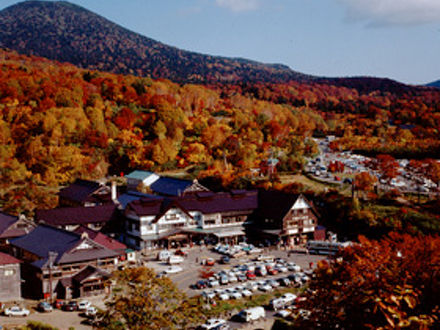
{"x": 325, "y": 247}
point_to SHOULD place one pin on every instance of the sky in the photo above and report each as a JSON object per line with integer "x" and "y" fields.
{"x": 397, "y": 39}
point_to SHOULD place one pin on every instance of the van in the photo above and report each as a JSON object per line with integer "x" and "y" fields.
{"x": 252, "y": 314}
{"x": 164, "y": 255}
{"x": 277, "y": 303}
{"x": 172, "y": 260}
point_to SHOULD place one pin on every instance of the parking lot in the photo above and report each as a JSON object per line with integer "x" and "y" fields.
{"x": 185, "y": 280}
{"x": 191, "y": 267}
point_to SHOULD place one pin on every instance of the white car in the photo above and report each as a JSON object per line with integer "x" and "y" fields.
{"x": 265, "y": 288}
{"x": 16, "y": 311}
{"x": 281, "y": 268}
{"x": 252, "y": 286}
{"x": 288, "y": 297}
{"x": 283, "y": 313}
{"x": 293, "y": 267}
{"x": 246, "y": 293}
{"x": 208, "y": 294}
{"x": 232, "y": 278}
{"x": 212, "y": 283}
{"x": 173, "y": 270}
{"x": 91, "y": 311}
{"x": 273, "y": 283}
{"x": 236, "y": 295}
{"x": 214, "y": 324}
{"x": 223, "y": 295}
{"x": 83, "y": 305}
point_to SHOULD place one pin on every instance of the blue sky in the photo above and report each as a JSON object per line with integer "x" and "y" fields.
{"x": 399, "y": 39}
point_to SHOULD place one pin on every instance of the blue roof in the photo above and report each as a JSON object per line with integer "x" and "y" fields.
{"x": 139, "y": 175}
{"x": 170, "y": 186}
{"x": 131, "y": 196}
{"x": 46, "y": 238}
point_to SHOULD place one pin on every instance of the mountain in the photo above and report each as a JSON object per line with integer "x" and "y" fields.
{"x": 434, "y": 84}
{"x": 69, "y": 33}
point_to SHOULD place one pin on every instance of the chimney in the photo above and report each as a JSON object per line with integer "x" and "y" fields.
{"x": 114, "y": 191}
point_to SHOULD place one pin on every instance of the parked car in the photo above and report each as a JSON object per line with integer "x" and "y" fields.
{"x": 173, "y": 270}
{"x": 232, "y": 278}
{"x": 213, "y": 282}
{"x": 252, "y": 314}
{"x": 16, "y": 311}
{"x": 44, "y": 307}
{"x": 223, "y": 295}
{"x": 224, "y": 279}
{"x": 265, "y": 287}
{"x": 70, "y": 306}
{"x": 273, "y": 283}
{"x": 246, "y": 293}
{"x": 83, "y": 305}
{"x": 277, "y": 303}
{"x": 241, "y": 277}
{"x": 283, "y": 313}
{"x": 252, "y": 286}
{"x": 260, "y": 271}
{"x": 164, "y": 255}
{"x": 91, "y": 312}
{"x": 208, "y": 294}
{"x": 181, "y": 252}
{"x": 284, "y": 281}
{"x": 201, "y": 284}
{"x": 215, "y": 324}
{"x": 225, "y": 260}
{"x": 172, "y": 260}
{"x": 58, "y": 304}
{"x": 271, "y": 271}
{"x": 289, "y": 298}
{"x": 250, "y": 275}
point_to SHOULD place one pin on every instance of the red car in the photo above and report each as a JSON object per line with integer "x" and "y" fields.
{"x": 58, "y": 304}
{"x": 250, "y": 275}
{"x": 181, "y": 253}
{"x": 271, "y": 271}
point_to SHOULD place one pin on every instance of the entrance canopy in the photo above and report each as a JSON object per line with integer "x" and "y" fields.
{"x": 230, "y": 233}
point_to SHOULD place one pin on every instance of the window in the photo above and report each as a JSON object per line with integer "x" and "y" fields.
{"x": 9, "y": 272}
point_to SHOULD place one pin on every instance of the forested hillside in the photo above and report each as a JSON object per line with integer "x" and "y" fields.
{"x": 59, "y": 123}
{"x": 69, "y": 33}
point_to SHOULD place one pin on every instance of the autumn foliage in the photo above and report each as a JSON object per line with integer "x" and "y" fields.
{"x": 387, "y": 284}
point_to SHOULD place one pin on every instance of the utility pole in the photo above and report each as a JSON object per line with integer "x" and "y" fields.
{"x": 52, "y": 256}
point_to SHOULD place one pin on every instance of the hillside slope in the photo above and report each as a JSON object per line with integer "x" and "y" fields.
{"x": 69, "y": 33}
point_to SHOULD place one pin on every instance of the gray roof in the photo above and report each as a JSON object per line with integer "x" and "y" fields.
{"x": 45, "y": 239}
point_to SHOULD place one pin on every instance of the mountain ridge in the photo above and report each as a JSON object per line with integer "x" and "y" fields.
{"x": 66, "y": 32}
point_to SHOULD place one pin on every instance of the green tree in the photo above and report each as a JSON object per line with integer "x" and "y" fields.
{"x": 143, "y": 301}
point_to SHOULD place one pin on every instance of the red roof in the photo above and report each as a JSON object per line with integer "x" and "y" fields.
{"x": 102, "y": 239}
{"x": 6, "y": 259}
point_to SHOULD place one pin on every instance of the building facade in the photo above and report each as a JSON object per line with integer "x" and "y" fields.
{"x": 10, "y": 279}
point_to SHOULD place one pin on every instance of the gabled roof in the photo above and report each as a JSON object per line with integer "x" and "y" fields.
{"x": 6, "y": 259}
{"x": 205, "y": 202}
{"x": 79, "y": 191}
{"x": 139, "y": 175}
{"x": 210, "y": 202}
{"x": 65, "y": 216}
{"x": 146, "y": 206}
{"x": 44, "y": 239}
{"x": 102, "y": 239}
{"x": 131, "y": 196}
{"x": 273, "y": 204}
{"x": 89, "y": 271}
{"x": 173, "y": 187}
{"x": 8, "y": 228}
